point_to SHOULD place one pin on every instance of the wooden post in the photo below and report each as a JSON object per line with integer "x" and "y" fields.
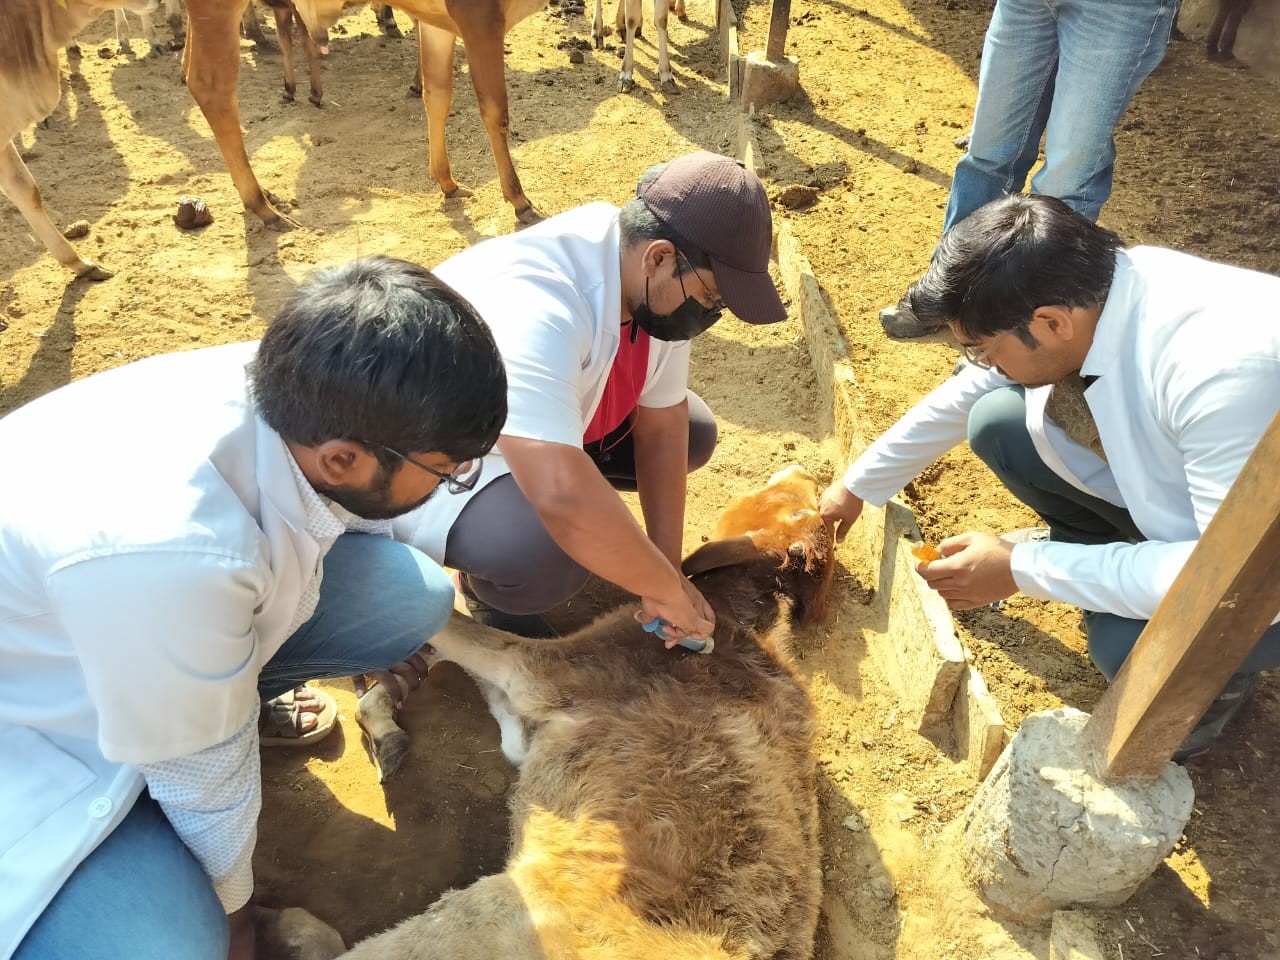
{"x": 1218, "y": 607}
{"x": 778, "y": 21}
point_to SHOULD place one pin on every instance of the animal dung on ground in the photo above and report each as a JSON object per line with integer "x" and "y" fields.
{"x": 796, "y": 196}
{"x": 76, "y": 230}
{"x": 192, "y": 213}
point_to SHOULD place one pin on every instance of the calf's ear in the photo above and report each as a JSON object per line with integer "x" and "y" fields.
{"x": 720, "y": 553}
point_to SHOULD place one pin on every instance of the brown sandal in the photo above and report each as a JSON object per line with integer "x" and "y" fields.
{"x": 280, "y": 720}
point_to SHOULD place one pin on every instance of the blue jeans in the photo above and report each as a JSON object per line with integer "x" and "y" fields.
{"x": 1066, "y": 69}
{"x": 998, "y": 435}
{"x": 141, "y": 894}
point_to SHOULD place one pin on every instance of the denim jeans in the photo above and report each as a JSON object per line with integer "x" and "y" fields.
{"x": 998, "y": 435}
{"x": 1066, "y": 69}
{"x": 141, "y": 894}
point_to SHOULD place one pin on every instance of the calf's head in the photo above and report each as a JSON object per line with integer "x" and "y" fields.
{"x": 778, "y": 540}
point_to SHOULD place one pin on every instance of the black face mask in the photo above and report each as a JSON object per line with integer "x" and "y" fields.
{"x": 683, "y": 323}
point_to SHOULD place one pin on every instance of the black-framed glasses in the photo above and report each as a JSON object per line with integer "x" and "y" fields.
{"x": 717, "y": 305}
{"x": 463, "y": 479}
{"x": 981, "y": 358}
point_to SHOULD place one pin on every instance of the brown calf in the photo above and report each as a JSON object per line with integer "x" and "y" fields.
{"x": 214, "y": 63}
{"x": 31, "y": 34}
{"x": 666, "y": 809}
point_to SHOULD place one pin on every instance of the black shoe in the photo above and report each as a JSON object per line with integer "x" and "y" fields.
{"x": 899, "y": 322}
{"x": 531, "y": 625}
{"x": 1233, "y": 696}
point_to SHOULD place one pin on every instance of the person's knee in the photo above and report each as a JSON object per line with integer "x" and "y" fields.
{"x": 536, "y": 588}
{"x": 1111, "y": 638}
{"x": 998, "y": 429}
{"x": 703, "y": 436}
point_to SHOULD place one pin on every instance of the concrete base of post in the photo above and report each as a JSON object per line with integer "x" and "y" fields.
{"x": 1044, "y": 833}
{"x": 767, "y": 81}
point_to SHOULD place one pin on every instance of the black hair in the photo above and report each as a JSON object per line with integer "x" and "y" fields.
{"x": 992, "y": 270}
{"x": 381, "y": 352}
{"x": 638, "y": 224}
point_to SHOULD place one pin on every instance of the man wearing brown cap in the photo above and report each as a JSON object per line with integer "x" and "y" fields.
{"x": 593, "y": 311}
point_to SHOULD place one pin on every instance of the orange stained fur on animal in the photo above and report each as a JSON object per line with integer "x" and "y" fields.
{"x": 666, "y": 808}
{"x": 212, "y": 66}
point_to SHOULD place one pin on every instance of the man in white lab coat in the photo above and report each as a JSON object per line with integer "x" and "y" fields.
{"x": 183, "y": 537}
{"x": 1116, "y": 392}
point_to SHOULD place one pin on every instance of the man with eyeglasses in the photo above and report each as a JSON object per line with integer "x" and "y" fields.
{"x": 187, "y": 538}
{"x": 593, "y": 311}
{"x": 1116, "y": 392}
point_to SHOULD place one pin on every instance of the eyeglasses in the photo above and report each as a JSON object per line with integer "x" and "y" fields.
{"x": 717, "y": 305}
{"x": 979, "y": 358}
{"x": 463, "y": 478}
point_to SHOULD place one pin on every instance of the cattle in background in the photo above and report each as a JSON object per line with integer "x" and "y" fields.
{"x": 30, "y": 86}
{"x": 175, "y": 14}
{"x": 629, "y": 21}
{"x": 666, "y": 805}
{"x": 213, "y": 66}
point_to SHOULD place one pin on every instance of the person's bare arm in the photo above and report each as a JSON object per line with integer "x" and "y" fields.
{"x": 586, "y": 517}
{"x": 661, "y": 439}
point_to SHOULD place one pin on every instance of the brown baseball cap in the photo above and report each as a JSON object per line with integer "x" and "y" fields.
{"x": 720, "y": 207}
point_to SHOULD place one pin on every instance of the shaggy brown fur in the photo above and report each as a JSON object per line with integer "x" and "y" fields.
{"x": 667, "y": 807}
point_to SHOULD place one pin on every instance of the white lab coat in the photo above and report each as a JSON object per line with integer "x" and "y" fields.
{"x": 1187, "y": 360}
{"x": 152, "y": 558}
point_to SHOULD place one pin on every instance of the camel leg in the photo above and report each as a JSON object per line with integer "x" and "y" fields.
{"x": 122, "y": 33}
{"x": 488, "y": 77}
{"x": 597, "y": 26}
{"x": 19, "y": 186}
{"x": 213, "y": 69}
{"x": 435, "y": 66}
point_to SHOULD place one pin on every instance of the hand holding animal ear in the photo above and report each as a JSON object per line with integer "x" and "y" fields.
{"x": 840, "y": 508}
{"x": 688, "y": 615}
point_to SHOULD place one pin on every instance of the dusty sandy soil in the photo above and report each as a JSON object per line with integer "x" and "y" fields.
{"x": 888, "y": 85}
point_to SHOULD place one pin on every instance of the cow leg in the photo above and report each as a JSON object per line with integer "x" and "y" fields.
{"x": 313, "y": 64}
{"x": 435, "y": 71}
{"x": 597, "y": 26}
{"x": 122, "y": 33}
{"x": 387, "y": 21}
{"x": 212, "y": 71}
{"x": 153, "y": 37}
{"x": 175, "y": 14}
{"x": 665, "y": 80}
{"x": 19, "y": 186}
{"x": 678, "y": 7}
{"x": 252, "y": 28}
{"x": 488, "y": 77}
{"x": 284, "y": 37}
{"x": 634, "y": 15}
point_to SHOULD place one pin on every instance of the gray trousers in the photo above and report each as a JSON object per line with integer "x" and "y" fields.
{"x": 510, "y": 560}
{"x": 998, "y": 435}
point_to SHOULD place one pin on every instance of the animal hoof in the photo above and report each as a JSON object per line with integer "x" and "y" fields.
{"x": 459, "y": 192}
{"x": 287, "y": 96}
{"x": 156, "y": 52}
{"x": 626, "y": 84}
{"x": 599, "y": 41}
{"x": 92, "y": 271}
{"x": 392, "y": 31}
{"x": 316, "y": 99}
{"x": 389, "y": 753}
{"x": 529, "y": 215}
{"x": 669, "y": 85}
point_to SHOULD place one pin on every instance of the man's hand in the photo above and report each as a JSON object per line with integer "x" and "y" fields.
{"x": 689, "y": 614}
{"x": 840, "y": 507}
{"x": 973, "y": 572}
{"x": 412, "y": 670}
{"x": 243, "y": 932}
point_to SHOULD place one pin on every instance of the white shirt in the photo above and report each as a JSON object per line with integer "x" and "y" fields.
{"x": 154, "y": 552}
{"x": 552, "y": 295}
{"x": 1187, "y": 360}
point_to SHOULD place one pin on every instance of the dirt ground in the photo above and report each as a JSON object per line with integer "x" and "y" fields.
{"x": 888, "y": 85}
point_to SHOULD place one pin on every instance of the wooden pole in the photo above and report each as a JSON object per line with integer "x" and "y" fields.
{"x": 1218, "y": 607}
{"x": 778, "y": 21}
